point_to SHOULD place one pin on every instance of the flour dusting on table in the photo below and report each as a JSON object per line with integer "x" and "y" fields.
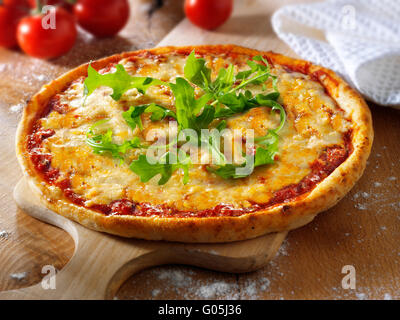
{"x": 383, "y": 193}
{"x": 20, "y": 276}
{"x": 4, "y": 234}
{"x": 17, "y": 108}
{"x": 186, "y": 284}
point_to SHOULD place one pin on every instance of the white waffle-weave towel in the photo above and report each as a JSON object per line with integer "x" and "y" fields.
{"x": 360, "y": 39}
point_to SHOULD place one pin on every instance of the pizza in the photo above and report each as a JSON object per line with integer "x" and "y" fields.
{"x": 194, "y": 144}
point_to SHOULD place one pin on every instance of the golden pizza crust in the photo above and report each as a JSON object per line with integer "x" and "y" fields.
{"x": 290, "y": 215}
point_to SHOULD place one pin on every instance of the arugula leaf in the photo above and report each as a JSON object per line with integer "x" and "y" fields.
{"x": 227, "y": 171}
{"x": 221, "y": 112}
{"x": 206, "y": 117}
{"x": 120, "y": 81}
{"x": 184, "y": 165}
{"x": 212, "y": 143}
{"x": 254, "y": 67}
{"x": 259, "y": 76}
{"x": 276, "y": 106}
{"x": 102, "y": 143}
{"x": 146, "y": 170}
{"x": 213, "y": 147}
{"x": 132, "y": 116}
{"x": 265, "y": 151}
{"x": 159, "y": 112}
{"x": 227, "y": 101}
{"x": 224, "y": 80}
{"x": 195, "y": 71}
{"x": 221, "y": 125}
{"x": 187, "y": 107}
{"x": 236, "y": 103}
{"x": 262, "y": 156}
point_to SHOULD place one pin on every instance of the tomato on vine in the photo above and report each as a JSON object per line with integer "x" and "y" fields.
{"x": 103, "y": 18}
{"x": 21, "y": 4}
{"x": 47, "y": 43}
{"x": 11, "y": 12}
{"x": 208, "y": 14}
{"x": 66, "y": 4}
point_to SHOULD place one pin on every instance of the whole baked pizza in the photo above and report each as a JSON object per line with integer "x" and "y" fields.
{"x": 194, "y": 144}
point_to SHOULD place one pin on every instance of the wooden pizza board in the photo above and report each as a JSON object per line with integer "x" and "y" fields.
{"x": 101, "y": 262}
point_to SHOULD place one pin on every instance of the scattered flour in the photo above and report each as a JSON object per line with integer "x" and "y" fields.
{"x": 360, "y": 206}
{"x": 4, "y": 234}
{"x": 155, "y": 292}
{"x": 17, "y": 108}
{"x": 265, "y": 284}
{"x": 361, "y": 296}
{"x": 365, "y": 195}
{"x": 251, "y": 289}
{"x": 185, "y": 283}
{"x": 217, "y": 290}
{"x": 361, "y": 194}
{"x": 387, "y": 296}
{"x": 381, "y": 196}
{"x": 177, "y": 277}
{"x": 40, "y": 77}
{"x": 19, "y": 276}
{"x": 283, "y": 249}
{"x": 183, "y": 279}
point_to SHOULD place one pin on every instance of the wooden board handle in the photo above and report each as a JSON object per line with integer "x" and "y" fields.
{"x": 102, "y": 262}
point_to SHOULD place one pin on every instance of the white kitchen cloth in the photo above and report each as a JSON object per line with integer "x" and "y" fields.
{"x": 360, "y": 39}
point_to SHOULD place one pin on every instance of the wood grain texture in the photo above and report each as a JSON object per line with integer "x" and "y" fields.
{"x": 362, "y": 230}
{"x": 102, "y": 262}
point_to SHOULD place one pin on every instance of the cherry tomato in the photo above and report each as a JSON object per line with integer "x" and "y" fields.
{"x": 62, "y": 3}
{"x": 22, "y": 4}
{"x": 103, "y": 18}
{"x": 47, "y": 43}
{"x": 208, "y": 14}
{"x": 9, "y": 17}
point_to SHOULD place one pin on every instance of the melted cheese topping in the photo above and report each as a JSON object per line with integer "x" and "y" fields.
{"x": 314, "y": 122}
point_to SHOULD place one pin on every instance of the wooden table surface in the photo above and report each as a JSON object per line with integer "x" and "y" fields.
{"x": 362, "y": 230}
